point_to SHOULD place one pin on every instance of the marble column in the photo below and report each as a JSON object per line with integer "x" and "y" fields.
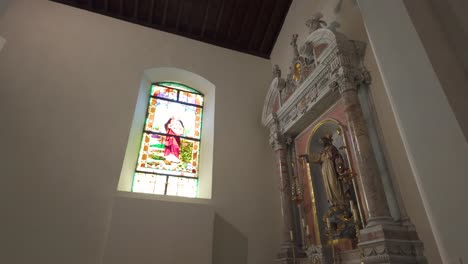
{"x": 382, "y": 240}
{"x": 371, "y": 182}
{"x": 289, "y": 252}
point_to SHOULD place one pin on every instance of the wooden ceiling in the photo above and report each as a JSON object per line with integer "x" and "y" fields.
{"x": 249, "y": 26}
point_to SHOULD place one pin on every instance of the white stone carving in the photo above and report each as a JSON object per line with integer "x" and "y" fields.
{"x": 337, "y": 68}
{"x": 315, "y": 22}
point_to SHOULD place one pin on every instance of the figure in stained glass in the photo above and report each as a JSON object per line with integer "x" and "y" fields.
{"x": 174, "y": 129}
{"x": 169, "y": 153}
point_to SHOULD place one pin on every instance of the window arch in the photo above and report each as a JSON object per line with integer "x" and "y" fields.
{"x": 170, "y": 147}
{"x": 170, "y": 86}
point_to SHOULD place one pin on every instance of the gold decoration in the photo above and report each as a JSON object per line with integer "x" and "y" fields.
{"x": 297, "y": 72}
{"x": 306, "y": 166}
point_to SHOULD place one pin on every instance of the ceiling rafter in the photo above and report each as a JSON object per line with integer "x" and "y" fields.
{"x": 166, "y": 4}
{"x": 220, "y": 16}
{"x": 254, "y": 28}
{"x": 205, "y": 17}
{"x": 248, "y": 26}
{"x": 151, "y": 12}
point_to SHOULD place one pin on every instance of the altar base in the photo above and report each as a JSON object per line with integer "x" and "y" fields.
{"x": 389, "y": 244}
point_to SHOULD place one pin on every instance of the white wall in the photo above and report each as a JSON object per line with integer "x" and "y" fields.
{"x": 348, "y": 15}
{"x": 68, "y": 87}
{"x": 444, "y": 34}
{"x": 140, "y": 234}
{"x": 430, "y": 131}
{"x": 3, "y": 6}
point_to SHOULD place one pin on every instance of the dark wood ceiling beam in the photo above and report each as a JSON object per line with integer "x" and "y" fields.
{"x": 164, "y": 19}
{"x": 151, "y": 12}
{"x": 270, "y": 24}
{"x": 245, "y": 19}
{"x": 205, "y": 17}
{"x": 258, "y": 21}
{"x": 106, "y": 6}
{"x": 233, "y": 18}
{"x": 254, "y": 28}
{"x": 121, "y": 8}
{"x": 179, "y": 14}
{"x": 279, "y": 26}
{"x": 218, "y": 19}
{"x": 135, "y": 9}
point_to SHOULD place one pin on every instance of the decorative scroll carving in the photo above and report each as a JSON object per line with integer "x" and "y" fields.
{"x": 310, "y": 78}
{"x": 392, "y": 252}
{"x": 277, "y": 140}
{"x": 294, "y": 45}
{"x": 276, "y": 71}
{"x": 315, "y": 22}
{"x": 315, "y": 253}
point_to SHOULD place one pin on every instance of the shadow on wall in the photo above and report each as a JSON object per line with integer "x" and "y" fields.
{"x": 229, "y": 245}
{"x": 3, "y": 6}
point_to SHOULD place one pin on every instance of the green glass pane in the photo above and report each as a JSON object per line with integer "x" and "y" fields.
{"x": 169, "y": 155}
{"x": 178, "y": 86}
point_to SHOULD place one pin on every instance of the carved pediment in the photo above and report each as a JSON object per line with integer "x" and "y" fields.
{"x": 326, "y": 64}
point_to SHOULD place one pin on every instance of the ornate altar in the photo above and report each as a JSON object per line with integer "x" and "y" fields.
{"x": 333, "y": 199}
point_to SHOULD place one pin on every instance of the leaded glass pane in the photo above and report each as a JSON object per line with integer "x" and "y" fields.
{"x": 149, "y": 183}
{"x": 191, "y": 98}
{"x": 178, "y": 86}
{"x": 143, "y": 183}
{"x": 182, "y": 187}
{"x": 170, "y": 146}
{"x": 163, "y": 92}
{"x": 173, "y": 118}
{"x": 168, "y": 155}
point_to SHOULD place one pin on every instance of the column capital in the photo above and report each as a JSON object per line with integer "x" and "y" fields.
{"x": 350, "y": 78}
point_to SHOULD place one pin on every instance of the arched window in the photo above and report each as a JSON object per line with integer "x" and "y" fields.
{"x": 168, "y": 160}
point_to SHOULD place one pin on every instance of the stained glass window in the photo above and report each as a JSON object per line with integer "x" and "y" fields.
{"x": 170, "y": 146}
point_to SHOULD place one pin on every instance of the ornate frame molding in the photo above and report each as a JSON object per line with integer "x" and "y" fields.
{"x": 337, "y": 68}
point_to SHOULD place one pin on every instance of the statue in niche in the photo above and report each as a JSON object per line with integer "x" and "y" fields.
{"x": 333, "y": 170}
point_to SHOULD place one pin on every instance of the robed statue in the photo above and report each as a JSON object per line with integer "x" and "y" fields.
{"x": 332, "y": 165}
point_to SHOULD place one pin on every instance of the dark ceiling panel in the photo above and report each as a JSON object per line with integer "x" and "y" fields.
{"x": 249, "y": 26}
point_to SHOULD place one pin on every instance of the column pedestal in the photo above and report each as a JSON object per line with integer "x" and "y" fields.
{"x": 391, "y": 244}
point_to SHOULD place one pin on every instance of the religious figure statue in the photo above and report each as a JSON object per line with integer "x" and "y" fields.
{"x": 332, "y": 165}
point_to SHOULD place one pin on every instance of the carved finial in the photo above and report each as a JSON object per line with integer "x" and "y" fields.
{"x": 315, "y": 22}
{"x": 334, "y": 26}
{"x": 366, "y": 77}
{"x": 277, "y": 140}
{"x": 294, "y": 44}
{"x": 276, "y": 71}
{"x": 289, "y": 78}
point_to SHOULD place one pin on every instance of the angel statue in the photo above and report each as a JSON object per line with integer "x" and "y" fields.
{"x": 333, "y": 169}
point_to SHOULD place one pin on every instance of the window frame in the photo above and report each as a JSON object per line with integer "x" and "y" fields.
{"x": 136, "y": 125}
{"x": 149, "y": 132}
